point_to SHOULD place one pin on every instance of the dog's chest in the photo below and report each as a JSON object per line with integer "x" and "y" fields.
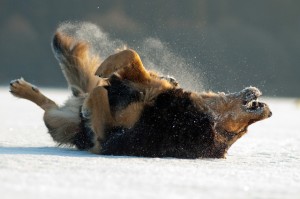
{"x": 121, "y": 94}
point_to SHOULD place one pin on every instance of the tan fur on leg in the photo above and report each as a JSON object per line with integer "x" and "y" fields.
{"x": 62, "y": 122}
{"x": 22, "y": 89}
{"x": 127, "y": 63}
{"x": 77, "y": 63}
{"x": 97, "y": 110}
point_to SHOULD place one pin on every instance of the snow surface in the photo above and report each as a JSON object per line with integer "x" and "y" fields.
{"x": 265, "y": 163}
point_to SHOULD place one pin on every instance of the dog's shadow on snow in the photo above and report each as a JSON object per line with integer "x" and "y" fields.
{"x": 51, "y": 151}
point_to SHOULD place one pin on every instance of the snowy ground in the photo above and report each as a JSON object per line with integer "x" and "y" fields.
{"x": 263, "y": 164}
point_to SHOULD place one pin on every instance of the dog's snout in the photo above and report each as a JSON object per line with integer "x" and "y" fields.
{"x": 247, "y": 94}
{"x": 250, "y": 93}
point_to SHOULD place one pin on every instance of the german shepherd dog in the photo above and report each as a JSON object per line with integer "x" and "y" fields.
{"x": 118, "y": 107}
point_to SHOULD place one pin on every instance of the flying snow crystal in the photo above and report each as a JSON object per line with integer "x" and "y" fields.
{"x": 157, "y": 56}
{"x": 99, "y": 41}
{"x": 154, "y": 53}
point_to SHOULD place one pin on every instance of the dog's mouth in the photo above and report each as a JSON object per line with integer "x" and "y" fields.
{"x": 253, "y": 105}
{"x": 250, "y": 101}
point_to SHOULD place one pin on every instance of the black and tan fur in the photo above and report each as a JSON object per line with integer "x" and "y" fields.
{"x": 120, "y": 108}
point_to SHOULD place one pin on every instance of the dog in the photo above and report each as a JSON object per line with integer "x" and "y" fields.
{"x": 118, "y": 107}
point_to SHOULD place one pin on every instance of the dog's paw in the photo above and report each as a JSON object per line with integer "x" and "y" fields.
{"x": 21, "y": 88}
{"x": 96, "y": 149}
{"x": 105, "y": 70}
{"x": 170, "y": 79}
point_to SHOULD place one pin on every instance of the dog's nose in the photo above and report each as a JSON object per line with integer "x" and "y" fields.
{"x": 250, "y": 93}
{"x": 247, "y": 94}
{"x": 270, "y": 114}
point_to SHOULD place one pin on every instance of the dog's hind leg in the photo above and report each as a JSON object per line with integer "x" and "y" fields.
{"x": 22, "y": 89}
{"x": 77, "y": 62}
{"x": 62, "y": 122}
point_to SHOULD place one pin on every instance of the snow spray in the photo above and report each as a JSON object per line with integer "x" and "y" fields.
{"x": 154, "y": 53}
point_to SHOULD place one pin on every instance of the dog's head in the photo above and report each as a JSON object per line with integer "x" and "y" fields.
{"x": 234, "y": 112}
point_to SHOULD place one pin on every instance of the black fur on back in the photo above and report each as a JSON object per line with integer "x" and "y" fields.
{"x": 172, "y": 127}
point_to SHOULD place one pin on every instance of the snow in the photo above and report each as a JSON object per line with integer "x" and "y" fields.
{"x": 265, "y": 163}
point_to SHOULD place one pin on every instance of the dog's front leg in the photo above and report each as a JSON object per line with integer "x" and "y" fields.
{"x": 96, "y": 111}
{"x": 127, "y": 63}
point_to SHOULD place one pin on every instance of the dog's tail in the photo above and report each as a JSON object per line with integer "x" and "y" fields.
{"x": 77, "y": 63}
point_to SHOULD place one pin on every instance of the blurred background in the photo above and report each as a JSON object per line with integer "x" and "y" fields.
{"x": 231, "y": 43}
